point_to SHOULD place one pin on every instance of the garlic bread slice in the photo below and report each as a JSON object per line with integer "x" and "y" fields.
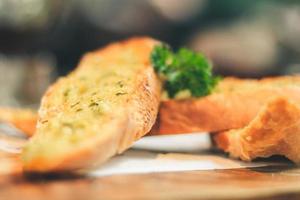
{"x": 98, "y": 110}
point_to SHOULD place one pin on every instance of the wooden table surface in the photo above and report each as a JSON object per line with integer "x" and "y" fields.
{"x": 256, "y": 183}
{"x": 272, "y": 182}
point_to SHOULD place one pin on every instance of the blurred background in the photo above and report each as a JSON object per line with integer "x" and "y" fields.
{"x": 43, "y": 39}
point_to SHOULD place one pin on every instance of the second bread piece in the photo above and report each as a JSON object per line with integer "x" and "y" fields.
{"x": 23, "y": 119}
{"x": 97, "y": 111}
{"x": 274, "y": 131}
{"x": 233, "y": 104}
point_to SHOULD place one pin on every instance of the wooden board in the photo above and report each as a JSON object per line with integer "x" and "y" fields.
{"x": 272, "y": 182}
{"x": 255, "y": 183}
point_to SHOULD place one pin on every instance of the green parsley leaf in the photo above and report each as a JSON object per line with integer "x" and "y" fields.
{"x": 183, "y": 70}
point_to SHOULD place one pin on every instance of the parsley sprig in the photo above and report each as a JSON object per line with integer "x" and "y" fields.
{"x": 183, "y": 70}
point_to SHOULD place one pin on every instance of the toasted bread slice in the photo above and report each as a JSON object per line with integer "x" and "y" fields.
{"x": 274, "y": 131}
{"x": 233, "y": 104}
{"x": 23, "y": 119}
{"x": 98, "y": 110}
